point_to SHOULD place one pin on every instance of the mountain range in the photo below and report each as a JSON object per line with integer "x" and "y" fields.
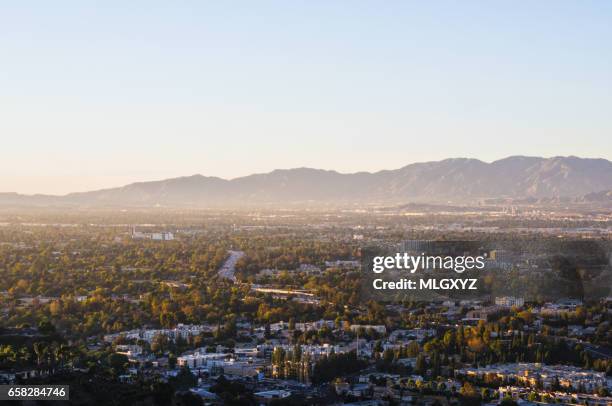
{"x": 457, "y": 180}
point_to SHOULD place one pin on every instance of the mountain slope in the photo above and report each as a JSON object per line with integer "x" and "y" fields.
{"x": 451, "y": 180}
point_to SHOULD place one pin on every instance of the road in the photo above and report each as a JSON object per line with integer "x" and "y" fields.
{"x": 228, "y": 268}
{"x": 599, "y": 352}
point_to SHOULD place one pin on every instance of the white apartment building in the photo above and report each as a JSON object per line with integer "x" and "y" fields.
{"x": 510, "y": 301}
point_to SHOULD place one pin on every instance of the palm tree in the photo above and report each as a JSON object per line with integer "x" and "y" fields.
{"x": 24, "y": 355}
{"x": 40, "y": 349}
{"x": 52, "y": 355}
{"x": 62, "y": 354}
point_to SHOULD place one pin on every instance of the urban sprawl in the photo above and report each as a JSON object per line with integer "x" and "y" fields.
{"x": 183, "y": 307}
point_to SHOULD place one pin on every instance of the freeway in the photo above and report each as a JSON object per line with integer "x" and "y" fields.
{"x": 228, "y": 268}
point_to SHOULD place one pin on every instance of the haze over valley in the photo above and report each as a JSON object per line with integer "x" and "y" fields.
{"x": 455, "y": 181}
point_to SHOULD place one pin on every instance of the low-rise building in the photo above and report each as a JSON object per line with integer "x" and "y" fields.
{"x": 509, "y": 301}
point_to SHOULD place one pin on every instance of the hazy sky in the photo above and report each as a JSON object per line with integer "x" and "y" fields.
{"x": 100, "y": 94}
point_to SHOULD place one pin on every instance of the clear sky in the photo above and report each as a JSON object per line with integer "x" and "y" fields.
{"x": 100, "y": 94}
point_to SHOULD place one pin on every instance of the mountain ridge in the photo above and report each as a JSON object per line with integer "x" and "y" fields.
{"x": 457, "y": 180}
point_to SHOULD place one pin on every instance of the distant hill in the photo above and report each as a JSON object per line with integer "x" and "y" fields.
{"x": 459, "y": 180}
{"x": 605, "y": 196}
